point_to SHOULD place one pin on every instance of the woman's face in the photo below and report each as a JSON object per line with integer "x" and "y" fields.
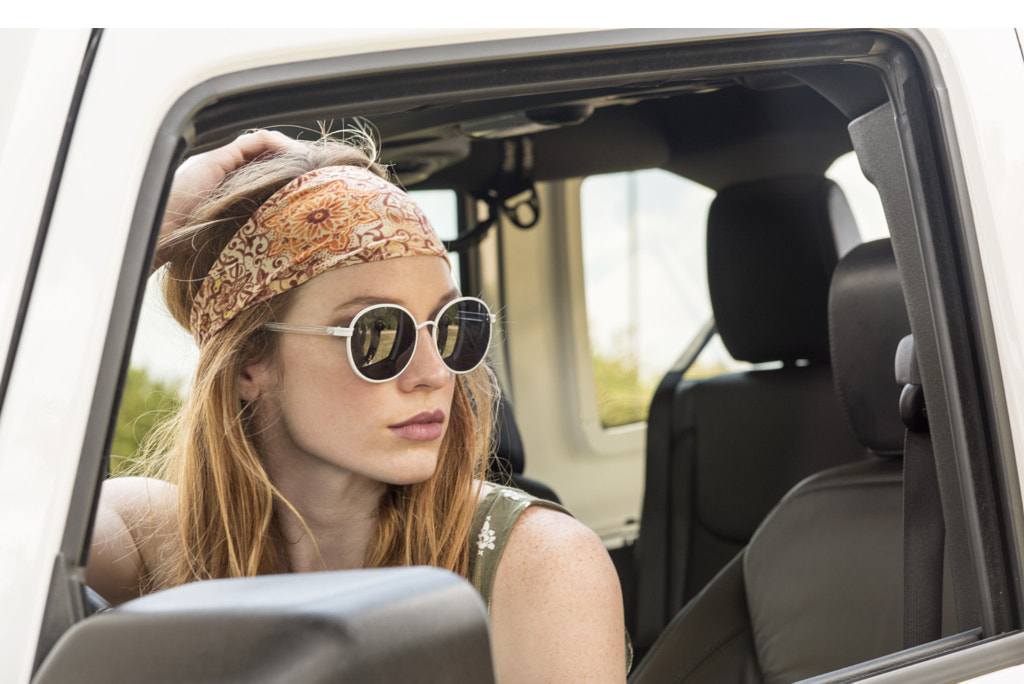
{"x": 317, "y": 416}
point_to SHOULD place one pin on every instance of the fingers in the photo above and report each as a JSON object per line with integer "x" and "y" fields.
{"x": 254, "y": 144}
{"x": 200, "y": 174}
{"x": 240, "y": 151}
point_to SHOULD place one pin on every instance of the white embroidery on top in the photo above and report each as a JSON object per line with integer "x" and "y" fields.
{"x": 486, "y": 538}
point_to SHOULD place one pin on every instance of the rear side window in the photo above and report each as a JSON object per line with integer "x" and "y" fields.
{"x": 862, "y": 196}
{"x": 441, "y": 207}
{"x": 645, "y": 280}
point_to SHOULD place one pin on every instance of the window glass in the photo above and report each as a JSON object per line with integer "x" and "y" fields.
{"x": 645, "y": 280}
{"x": 862, "y": 196}
{"x": 163, "y": 358}
{"x": 441, "y": 207}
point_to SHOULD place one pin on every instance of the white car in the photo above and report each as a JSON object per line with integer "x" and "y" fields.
{"x": 701, "y": 354}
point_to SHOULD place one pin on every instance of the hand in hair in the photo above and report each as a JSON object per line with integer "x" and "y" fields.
{"x": 200, "y": 174}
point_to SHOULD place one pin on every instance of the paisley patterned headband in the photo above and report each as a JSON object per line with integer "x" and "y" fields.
{"x": 331, "y": 217}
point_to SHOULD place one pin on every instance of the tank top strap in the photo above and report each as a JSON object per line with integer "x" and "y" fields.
{"x": 492, "y": 524}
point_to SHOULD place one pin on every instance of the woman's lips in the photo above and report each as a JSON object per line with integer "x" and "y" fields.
{"x": 423, "y": 427}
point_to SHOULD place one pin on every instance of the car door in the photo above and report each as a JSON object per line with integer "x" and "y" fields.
{"x": 147, "y": 103}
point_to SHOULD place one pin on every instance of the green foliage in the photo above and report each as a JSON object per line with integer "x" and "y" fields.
{"x": 146, "y": 403}
{"x": 623, "y": 397}
{"x": 702, "y": 369}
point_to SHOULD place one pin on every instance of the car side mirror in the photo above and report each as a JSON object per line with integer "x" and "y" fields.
{"x": 381, "y": 625}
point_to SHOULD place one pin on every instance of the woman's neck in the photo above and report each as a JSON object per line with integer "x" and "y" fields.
{"x": 341, "y": 514}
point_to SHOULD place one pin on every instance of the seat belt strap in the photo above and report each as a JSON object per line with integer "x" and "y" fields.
{"x": 923, "y": 527}
{"x": 663, "y": 546}
{"x": 923, "y": 542}
{"x": 654, "y": 545}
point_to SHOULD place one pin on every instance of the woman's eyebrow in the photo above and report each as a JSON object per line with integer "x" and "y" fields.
{"x": 445, "y": 298}
{"x": 358, "y": 303}
{"x": 364, "y": 301}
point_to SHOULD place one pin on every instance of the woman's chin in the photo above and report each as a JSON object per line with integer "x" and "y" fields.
{"x": 411, "y": 471}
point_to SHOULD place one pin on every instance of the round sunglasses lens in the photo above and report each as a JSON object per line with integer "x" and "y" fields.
{"x": 463, "y": 334}
{"x": 382, "y": 342}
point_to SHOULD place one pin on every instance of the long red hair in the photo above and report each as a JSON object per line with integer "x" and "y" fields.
{"x": 226, "y": 521}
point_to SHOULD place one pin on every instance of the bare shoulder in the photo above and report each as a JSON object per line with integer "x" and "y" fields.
{"x": 557, "y": 597}
{"x": 146, "y": 505}
{"x": 138, "y": 494}
{"x": 135, "y": 518}
{"x": 544, "y": 538}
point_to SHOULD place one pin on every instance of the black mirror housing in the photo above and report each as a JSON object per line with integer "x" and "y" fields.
{"x": 382, "y": 625}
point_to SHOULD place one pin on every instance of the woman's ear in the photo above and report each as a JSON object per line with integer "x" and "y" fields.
{"x": 253, "y": 379}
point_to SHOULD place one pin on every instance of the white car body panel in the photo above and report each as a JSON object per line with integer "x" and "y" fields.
{"x": 30, "y": 58}
{"x": 138, "y": 76}
{"x": 991, "y": 146}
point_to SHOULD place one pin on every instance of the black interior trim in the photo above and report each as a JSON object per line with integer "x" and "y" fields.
{"x": 1002, "y": 477}
{"x": 436, "y": 77}
{"x": 971, "y": 660}
{"x": 963, "y": 446}
{"x": 897, "y": 660}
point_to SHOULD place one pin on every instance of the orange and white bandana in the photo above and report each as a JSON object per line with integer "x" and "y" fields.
{"x": 331, "y": 217}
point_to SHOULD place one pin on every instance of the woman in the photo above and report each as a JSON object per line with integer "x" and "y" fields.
{"x": 339, "y": 417}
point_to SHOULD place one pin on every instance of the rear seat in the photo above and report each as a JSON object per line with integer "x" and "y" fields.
{"x": 819, "y": 587}
{"x": 721, "y": 452}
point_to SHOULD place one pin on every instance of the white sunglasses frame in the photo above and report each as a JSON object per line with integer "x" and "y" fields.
{"x": 336, "y": 331}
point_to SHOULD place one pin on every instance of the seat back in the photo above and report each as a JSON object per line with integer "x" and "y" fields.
{"x": 820, "y": 585}
{"x": 722, "y": 451}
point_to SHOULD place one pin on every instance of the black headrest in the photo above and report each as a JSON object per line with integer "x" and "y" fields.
{"x": 867, "y": 320}
{"x": 771, "y": 252}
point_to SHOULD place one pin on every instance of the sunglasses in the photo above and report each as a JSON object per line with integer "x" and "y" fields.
{"x": 382, "y": 337}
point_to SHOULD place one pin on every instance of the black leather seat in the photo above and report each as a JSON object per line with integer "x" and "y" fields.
{"x": 721, "y": 452}
{"x": 820, "y": 585}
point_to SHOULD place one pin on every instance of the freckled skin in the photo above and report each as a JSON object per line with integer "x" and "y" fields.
{"x": 557, "y": 598}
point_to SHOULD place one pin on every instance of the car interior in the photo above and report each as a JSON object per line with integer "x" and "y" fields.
{"x": 710, "y": 581}
{"x": 766, "y": 536}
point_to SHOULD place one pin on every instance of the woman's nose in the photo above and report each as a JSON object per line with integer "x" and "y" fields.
{"x": 426, "y": 369}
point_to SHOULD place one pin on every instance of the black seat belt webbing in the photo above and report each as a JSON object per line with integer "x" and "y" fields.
{"x": 924, "y": 538}
{"x": 923, "y": 526}
{"x": 654, "y": 545}
{"x": 663, "y": 545}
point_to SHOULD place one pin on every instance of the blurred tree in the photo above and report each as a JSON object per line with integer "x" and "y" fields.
{"x": 146, "y": 403}
{"x": 622, "y": 396}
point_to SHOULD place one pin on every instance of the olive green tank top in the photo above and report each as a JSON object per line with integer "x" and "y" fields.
{"x": 492, "y": 525}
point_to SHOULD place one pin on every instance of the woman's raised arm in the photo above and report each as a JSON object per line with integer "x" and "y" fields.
{"x": 200, "y": 174}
